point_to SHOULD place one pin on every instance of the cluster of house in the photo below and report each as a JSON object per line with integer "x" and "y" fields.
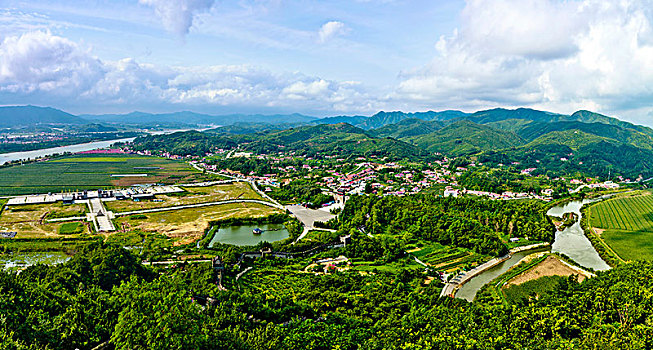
{"x": 454, "y": 192}
{"x": 135, "y": 193}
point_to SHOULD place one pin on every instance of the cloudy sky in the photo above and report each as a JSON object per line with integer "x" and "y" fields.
{"x": 322, "y": 57}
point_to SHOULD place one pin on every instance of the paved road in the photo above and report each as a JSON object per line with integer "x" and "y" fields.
{"x": 101, "y": 216}
{"x": 307, "y": 216}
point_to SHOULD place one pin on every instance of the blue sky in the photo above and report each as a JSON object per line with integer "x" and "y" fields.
{"x": 328, "y": 57}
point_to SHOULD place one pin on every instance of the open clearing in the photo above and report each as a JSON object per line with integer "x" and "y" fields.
{"x": 81, "y": 172}
{"x": 626, "y": 224}
{"x": 28, "y": 220}
{"x": 188, "y": 225}
{"x": 193, "y": 195}
{"x": 551, "y": 266}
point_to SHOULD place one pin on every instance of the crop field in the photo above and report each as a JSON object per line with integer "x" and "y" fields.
{"x": 193, "y": 195}
{"x": 188, "y": 225}
{"x": 29, "y": 221}
{"x": 444, "y": 258}
{"x": 626, "y": 225}
{"x": 92, "y": 172}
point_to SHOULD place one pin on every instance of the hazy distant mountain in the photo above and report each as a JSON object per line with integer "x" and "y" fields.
{"x": 192, "y": 118}
{"x": 382, "y": 118}
{"x": 30, "y": 115}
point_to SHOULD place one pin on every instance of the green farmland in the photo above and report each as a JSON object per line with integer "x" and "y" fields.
{"x": 626, "y": 225}
{"x": 91, "y": 172}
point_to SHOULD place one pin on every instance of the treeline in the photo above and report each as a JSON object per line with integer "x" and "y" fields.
{"x": 104, "y": 296}
{"x": 189, "y": 143}
{"x": 462, "y": 222}
{"x": 499, "y": 181}
{"x": 601, "y": 159}
{"x": 301, "y": 191}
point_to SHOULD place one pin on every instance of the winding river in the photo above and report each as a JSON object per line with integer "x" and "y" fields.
{"x": 571, "y": 242}
{"x": 81, "y": 147}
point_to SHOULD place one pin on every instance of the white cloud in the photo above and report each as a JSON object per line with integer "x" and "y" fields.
{"x": 177, "y": 15}
{"x": 40, "y": 67}
{"x": 563, "y": 56}
{"x": 330, "y": 30}
{"x": 40, "y": 61}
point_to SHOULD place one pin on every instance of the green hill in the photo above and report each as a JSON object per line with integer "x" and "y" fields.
{"x": 407, "y": 128}
{"x": 574, "y": 139}
{"x": 29, "y": 115}
{"x": 338, "y": 139}
{"x": 466, "y": 137}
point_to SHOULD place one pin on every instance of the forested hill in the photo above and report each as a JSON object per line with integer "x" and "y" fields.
{"x": 104, "y": 298}
{"x": 30, "y": 115}
{"x": 328, "y": 139}
{"x": 337, "y": 139}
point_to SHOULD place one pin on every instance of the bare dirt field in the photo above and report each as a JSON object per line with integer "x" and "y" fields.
{"x": 193, "y": 195}
{"x": 551, "y": 266}
{"x": 29, "y": 220}
{"x": 188, "y": 225}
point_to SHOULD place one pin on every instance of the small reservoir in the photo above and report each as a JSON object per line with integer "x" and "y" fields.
{"x": 242, "y": 235}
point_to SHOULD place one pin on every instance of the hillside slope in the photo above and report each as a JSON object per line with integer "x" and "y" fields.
{"x": 466, "y": 137}
{"x": 29, "y": 115}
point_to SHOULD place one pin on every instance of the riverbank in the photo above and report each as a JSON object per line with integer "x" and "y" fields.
{"x": 461, "y": 279}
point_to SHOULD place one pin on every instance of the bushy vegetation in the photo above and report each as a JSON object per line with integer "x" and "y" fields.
{"x": 461, "y": 222}
{"x": 104, "y": 295}
{"x": 301, "y": 191}
{"x": 71, "y": 228}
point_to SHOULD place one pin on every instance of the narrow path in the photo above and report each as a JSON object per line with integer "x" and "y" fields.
{"x": 243, "y": 272}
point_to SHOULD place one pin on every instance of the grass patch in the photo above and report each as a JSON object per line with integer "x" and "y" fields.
{"x": 630, "y": 245}
{"x": 627, "y": 222}
{"x": 70, "y": 228}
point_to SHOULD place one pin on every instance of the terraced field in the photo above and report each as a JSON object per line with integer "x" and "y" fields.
{"x": 91, "y": 172}
{"x": 626, "y": 224}
{"x": 444, "y": 258}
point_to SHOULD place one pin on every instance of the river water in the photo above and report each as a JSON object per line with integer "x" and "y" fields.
{"x": 8, "y": 157}
{"x": 81, "y": 147}
{"x": 571, "y": 242}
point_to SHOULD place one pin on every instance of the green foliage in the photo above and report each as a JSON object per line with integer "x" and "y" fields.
{"x": 301, "y": 191}
{"x": 462, "y": 222}
{"x": 275, "y": 306}
{"x": 465, "y": 137}
{"x": 184, "y": 143}
{"x": 523, "y": 293}
{"x": 71, "y": 228}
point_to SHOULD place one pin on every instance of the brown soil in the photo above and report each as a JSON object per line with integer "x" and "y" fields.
{"x": 551, "y": 266}
{"x": 598, "y": 231}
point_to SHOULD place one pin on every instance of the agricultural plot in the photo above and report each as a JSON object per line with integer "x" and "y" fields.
{"x": 193, "y": 195}
{"x": 626, "y": 225}
{"x": 92, "y": 172}
{"x": 444, "y": 258}
{"x": 188, "y": 225}
{"x": 29, "y": 221}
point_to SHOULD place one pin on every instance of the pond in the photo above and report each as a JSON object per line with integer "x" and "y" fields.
{"x": 19, "y": 260}
{"x": 242, "y": 235}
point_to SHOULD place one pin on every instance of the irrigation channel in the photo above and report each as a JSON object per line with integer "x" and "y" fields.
{"x": 571, "y": 242}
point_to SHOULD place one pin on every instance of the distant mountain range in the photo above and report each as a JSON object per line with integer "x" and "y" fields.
{"x": 580, "y": 142}
{"x": 30, "y": 115}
